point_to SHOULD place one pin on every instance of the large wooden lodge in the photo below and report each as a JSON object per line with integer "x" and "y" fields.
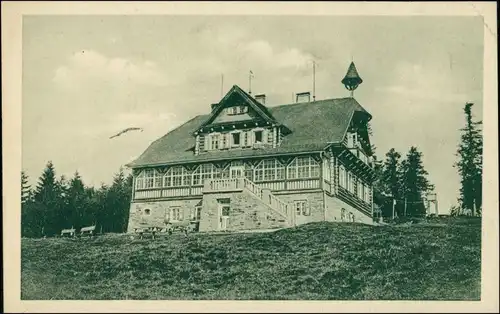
{"x": 245, "y": 165}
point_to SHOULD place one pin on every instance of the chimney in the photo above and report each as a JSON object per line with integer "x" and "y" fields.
{"x": 303, "y": 97}
{"x": 212, "y": 106}
{"x": 261, "y": 98}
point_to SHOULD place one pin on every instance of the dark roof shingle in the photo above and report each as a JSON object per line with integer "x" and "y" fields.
{"x": 314, "y": 125}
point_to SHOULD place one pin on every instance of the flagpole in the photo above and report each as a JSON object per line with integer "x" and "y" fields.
{"x": 221, "y": 84}
{"x": 314, "y": 80}
{"x": 250, "y": 82}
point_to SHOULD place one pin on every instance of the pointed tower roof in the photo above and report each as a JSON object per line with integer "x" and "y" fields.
{"x": 352, "y": 79}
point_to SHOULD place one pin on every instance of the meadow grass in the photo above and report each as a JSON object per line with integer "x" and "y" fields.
{"x": 317, "y": 261}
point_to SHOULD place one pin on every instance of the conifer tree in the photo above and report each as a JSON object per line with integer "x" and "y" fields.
{"x": 389, "y": 181}
{"x": 27, "y": 221}
{"x": 46, "y": 200}
{"x": 26, "y": 192}
{"x": 469, "y": 165}
{"x": 414, "y": 183}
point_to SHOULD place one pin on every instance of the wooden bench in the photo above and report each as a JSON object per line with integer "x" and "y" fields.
{"x": 87, "y": 230}
{"x": 68, "y": 232}
{"x": 185, "y": 226}
{"x": 147, "y": 230}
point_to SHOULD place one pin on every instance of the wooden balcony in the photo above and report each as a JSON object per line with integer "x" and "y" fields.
{"x": 226, "y": 185}
{"x": 223, "y": 185}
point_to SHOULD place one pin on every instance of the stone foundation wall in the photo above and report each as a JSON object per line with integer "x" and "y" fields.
{"x": 157, "y": 212}
{"x": 314, "y": 201}
{"x": 333, "y": 208}
{"x": 247, "y": 212}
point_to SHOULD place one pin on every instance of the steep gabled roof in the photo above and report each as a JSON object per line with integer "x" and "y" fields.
{"x": 313, "y": 126}
{"x": 259, "y": 108}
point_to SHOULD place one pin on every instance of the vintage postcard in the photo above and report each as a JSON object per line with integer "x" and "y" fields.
{"x": 239, "y": 154}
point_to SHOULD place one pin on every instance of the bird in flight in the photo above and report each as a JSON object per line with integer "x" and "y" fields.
{"x": 125, "y": 131}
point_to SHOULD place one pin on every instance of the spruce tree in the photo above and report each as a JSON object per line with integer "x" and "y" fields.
{"x": 46, "y": 203}
{"x": 469, "y": 165}
{"x": 414, "y": 183}
{"x": 77, "y": 201}
{"x": 26, "y": 192}
{"x": 27, "y": 219}
{"x": 390, "y": 177}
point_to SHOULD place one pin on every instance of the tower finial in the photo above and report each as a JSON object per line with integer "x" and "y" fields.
{"x": 351, "y": 80}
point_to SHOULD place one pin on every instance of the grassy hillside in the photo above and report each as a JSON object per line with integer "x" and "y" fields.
{"x": 314, "y": 261}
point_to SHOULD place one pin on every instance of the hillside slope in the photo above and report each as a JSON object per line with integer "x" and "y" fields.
{"x": 315, "y": 261}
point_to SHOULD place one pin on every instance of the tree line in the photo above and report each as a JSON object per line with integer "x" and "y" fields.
{"x": 400, "y": 188}
{"x": 401, "y": 185}
{"x": 58, "y": 203}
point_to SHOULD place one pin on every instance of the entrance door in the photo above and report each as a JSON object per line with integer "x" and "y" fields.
{"x": 223, "y": 217}
{"x": 236, "y": 172}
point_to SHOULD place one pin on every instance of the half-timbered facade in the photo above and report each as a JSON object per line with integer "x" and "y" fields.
{"x": 245, "y": 165}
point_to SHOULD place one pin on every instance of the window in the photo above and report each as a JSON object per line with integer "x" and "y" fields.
{"x": 237, "y": 110}
{"x": 268, "y": 170}
{"x": 177, "y": 176}
{"x": 196, "y": 214}
{"x": 367, "y": 195}
{"x": 203, "y": 172}
{"x": 303, "y": 167}
{"x": 214, "y": 141}
{"x": 174, "y": 214}
{"x": 343, "y": 216}
{"x": 342, "y": 177}
{"x": 350, "y": 182}
{"x": 149, "y": 178}
{"x": 258, "y": 136}
{"x": 147, "y": 211}
{"x": 302, "y": 208}
{"x": 236, "y": 139}
{"x": 360, "y": 188}
{"x": 225, "y": 211}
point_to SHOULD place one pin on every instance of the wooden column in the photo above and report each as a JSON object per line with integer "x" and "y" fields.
{"x": 197, "y": 145}
{"x": 334, "y": 175}
{"x": 275, "y": 138}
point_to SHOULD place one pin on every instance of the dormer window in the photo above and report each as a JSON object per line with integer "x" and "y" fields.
{"x": 237, "y": 110}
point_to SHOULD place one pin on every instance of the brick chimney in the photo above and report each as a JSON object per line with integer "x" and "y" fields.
{"x": 261, "y": 98}
{"x": 303, "y": 97}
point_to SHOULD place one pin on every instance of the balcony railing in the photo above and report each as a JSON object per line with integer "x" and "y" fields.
{"x": 223, "y": 185}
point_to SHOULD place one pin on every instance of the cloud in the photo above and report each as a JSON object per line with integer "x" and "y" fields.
{"x": 262, "y": 52}
{"x": 435, "y": 83}
{"x": 92, "y": 67}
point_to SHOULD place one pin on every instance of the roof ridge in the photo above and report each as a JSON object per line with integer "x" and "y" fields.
{"x": 309, "y": 103}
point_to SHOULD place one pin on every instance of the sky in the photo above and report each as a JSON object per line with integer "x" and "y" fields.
{"x": 85, "y": 78}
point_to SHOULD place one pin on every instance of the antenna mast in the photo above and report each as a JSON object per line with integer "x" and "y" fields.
{"x": 314, "y": 80}
{"x": 221, "y": 84}
{"x": 250, "y": 75}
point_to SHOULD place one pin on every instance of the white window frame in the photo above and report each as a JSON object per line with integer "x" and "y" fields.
{"x": 254, "y": 137}
{"x": 302, "y": 208}
{"x": 175, "y": 213}
{"x": 233, "y": 144}
{"x": 342, "y": 177}
{"x": 299, "y": 168}
{"x": 214, "y": 138}
{"x": 273, "y": 168}
{"x": 203, "y": 172}
{"x": 172, "y": 174}
{"x": 196, "y": 213}
{"x": 148, "y": 179}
